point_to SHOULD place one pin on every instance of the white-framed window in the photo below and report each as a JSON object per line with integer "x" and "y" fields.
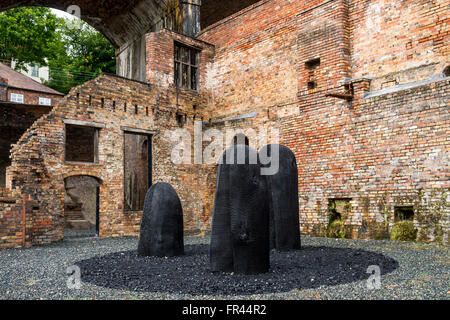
{"x": 15, "y": 97}
{"x": 45, "y": 101}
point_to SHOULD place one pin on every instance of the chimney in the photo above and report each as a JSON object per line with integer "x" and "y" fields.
{"x": 3, "y": 89}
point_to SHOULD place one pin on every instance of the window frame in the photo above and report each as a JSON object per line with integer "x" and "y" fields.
{"x": 178, "y": 62}
{"x": 17, "y": 95}
{"x": 45, "y": 99}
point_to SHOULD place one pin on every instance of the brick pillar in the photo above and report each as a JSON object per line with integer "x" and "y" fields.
{"x": 343, "y": 41}
{"x": 360, "y": 87}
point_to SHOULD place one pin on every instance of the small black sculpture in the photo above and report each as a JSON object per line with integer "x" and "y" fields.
{"x": 161, "y": 232}
{"x": 240, "y": 226}
{"x": 283, "y": 195}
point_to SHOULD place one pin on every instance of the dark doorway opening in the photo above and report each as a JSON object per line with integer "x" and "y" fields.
{"x": 137, "y": 170}
{"x": 82, "y": 207}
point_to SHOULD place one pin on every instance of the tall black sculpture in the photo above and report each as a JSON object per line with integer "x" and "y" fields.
{"x": 161, "y": 232}
{"x": 283, "y": 196}
{"x": 240, "y": 226}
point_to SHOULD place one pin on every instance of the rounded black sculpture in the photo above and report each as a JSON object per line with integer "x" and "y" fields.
{"x": 240, "y": 225}
{"x": 282, "y": 185}
{"x": 161, "y": 232}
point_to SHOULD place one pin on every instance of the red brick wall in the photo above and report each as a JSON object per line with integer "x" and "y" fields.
{"x": 31, "y": 97}
{"x": 3, "y": 91}
{"x": 399, "y": 41}
{"x": 389, "y": 151}
{"x": 261, "y": 52}
{"x": 11, "y": 221}
{"x": 375, "y": 151}
{"x": 160, "y": 57}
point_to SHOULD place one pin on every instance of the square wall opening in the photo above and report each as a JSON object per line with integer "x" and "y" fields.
{"x": 81, "y": 144}
{"x": 403, "y": 213}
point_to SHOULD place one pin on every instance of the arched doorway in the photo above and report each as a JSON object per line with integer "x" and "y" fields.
{"x": 81, "y": 206}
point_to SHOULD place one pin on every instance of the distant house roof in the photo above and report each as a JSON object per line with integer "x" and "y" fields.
{"x": 19, "y": 81}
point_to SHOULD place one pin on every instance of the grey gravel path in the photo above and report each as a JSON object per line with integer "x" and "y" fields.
{"x": 322, "y": 270}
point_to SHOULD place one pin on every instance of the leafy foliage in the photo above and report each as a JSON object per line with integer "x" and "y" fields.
{"x": 336, "y": 229}
{"x": 81, "y": 54}
{"x": 26, "y": 35}
{"x": 404, "y": 231}
{"x": 74, "y": 51}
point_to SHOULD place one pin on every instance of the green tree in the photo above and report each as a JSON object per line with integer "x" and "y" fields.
{"x": 81, "y": 53}
{"x": 26, "y": 35}
{"x": 74, "y": 51}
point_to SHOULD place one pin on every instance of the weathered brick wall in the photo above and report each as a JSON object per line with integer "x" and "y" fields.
{"x": 392, "y": 150}
{"x": 399, "y": 41}
{"x": 345, "y": 148}
{"x": 263, "y": 48}
{"x": 11, "y": 219}
{"x": 262, "y": 53}
{"x": 39, "y": 168}
{"x": 15, "y": 119}
{"x": 256, "y": 57}
{"x": 160, "y": 58}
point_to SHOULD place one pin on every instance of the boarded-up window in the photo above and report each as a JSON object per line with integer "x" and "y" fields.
{"x": 137, "y": 170}
{"x": 81, "y": 143}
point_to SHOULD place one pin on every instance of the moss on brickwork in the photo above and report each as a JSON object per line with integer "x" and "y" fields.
{"x": 404, "y": 231}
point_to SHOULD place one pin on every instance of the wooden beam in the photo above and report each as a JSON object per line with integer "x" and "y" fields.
{"x": 139, "y": 131}
{"x": 85, "y": 123}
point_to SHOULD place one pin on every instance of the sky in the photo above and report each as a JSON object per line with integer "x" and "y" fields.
{"x": 62, "y": 14}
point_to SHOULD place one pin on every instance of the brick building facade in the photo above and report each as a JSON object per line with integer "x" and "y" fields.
{"x": 29, "y": 91}
{"x": 357, "y": 89}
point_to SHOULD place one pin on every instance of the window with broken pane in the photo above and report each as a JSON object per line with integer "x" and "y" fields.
{"x": 186, "y": 67}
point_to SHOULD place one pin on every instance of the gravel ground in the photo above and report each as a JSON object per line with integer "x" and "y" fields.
{"x": 323, "y": 269}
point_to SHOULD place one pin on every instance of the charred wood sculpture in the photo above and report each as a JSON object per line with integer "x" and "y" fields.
{"x": 283, "y": 197}
{"x": 161, "y": 232}
{"x": 240, "y": 226}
